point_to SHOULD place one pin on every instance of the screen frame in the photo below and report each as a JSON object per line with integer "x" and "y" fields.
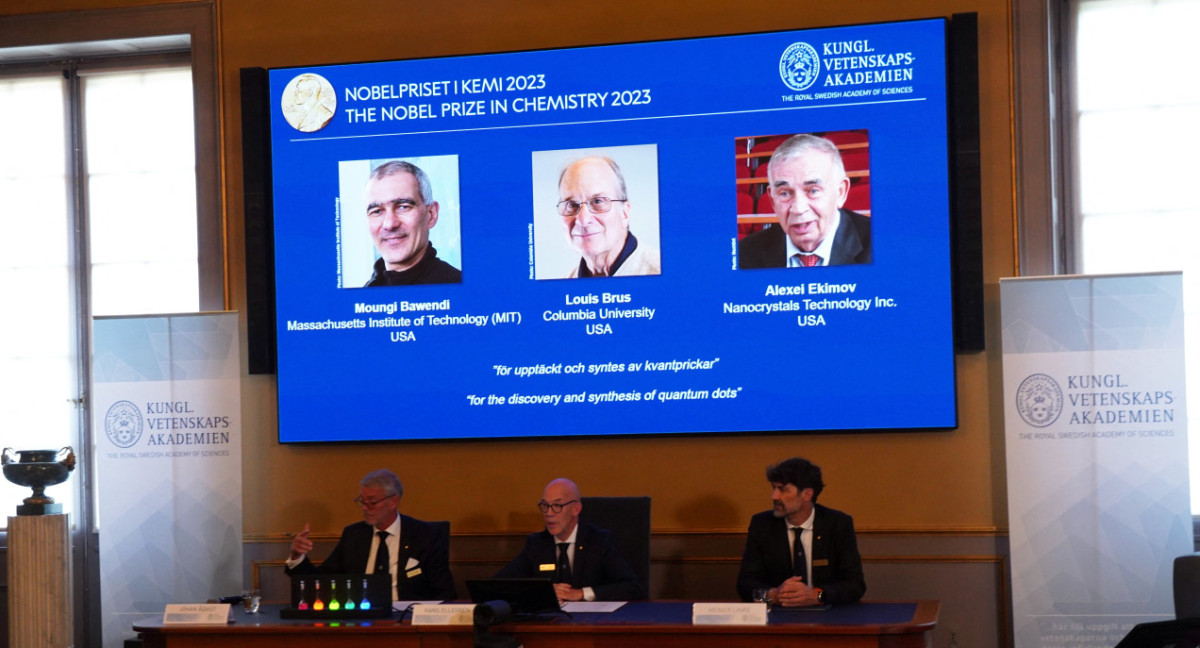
{"x": 965, "y": 216}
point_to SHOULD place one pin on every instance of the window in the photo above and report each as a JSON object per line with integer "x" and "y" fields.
{"x": 29, "y": 43}
{"x": 38, "y": 366}
{"x": 1135, "y": 112}
{"x": 141, "y": 191}
{"x": 98, "y": 173}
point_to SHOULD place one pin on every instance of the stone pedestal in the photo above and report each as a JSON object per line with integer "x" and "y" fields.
{"x": 39, "y": 582}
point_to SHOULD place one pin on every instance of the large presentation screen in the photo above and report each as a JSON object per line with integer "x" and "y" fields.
{"x": 729, "y": 235}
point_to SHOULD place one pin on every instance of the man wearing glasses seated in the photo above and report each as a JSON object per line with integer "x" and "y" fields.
{"x": 580, "y": 558}
{"x": 415, "y": 553}
{"x": 595, "y": 210}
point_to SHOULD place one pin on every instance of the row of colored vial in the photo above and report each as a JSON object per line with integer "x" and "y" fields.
{"x": 319, "y": 604}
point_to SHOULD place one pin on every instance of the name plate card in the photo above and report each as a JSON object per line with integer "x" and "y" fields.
{"x": 453, "y": 614}
{"x": 729, "y": 614}
{"x": 196, "y": 614}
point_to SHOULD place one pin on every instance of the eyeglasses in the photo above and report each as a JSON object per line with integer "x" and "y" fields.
{"x": 370, "y": 503}
{"x": 557, "y": 508}
{"x": 597, "y": 205}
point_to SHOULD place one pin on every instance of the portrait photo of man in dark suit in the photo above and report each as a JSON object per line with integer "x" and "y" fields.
{"x": 808, "y": 187}
{"x": 415, "y": 553}
{"x": 581, "y": 558}
{"x": 800, "y": 553}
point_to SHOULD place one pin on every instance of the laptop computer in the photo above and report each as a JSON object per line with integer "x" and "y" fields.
{"x": 523, "y": 595}
{"x": 1177, "y": 633}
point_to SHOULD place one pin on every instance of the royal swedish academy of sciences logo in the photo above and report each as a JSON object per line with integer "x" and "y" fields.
{"x": 123, "y": 424}
{"x": 799, "y": 65}
{"x": 1039, "y": 400}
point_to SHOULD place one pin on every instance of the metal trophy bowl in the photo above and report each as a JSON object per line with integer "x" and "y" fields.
{"x": 38, "y": 469}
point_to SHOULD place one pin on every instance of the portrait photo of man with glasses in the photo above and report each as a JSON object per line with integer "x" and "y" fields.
{"x": 601, "y": 218}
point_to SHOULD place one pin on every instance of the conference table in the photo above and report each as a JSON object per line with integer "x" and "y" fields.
{"x": 649, "y": 624}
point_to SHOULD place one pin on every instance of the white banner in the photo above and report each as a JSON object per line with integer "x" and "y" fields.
{"x": 1096, "y": 438}
{"x": 167, "y": 417}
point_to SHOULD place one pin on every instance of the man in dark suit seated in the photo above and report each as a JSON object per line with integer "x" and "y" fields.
{"x": 580, "y": 558}
{"x": 415, "y": 553}
{"x": 821, "y": 565}
{"x": 808, "y": 187}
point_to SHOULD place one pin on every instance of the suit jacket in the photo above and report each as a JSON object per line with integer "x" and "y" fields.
{"x": 597, "y": 564}
{"x": 767, "y": 249}
{"x": 419, "y": 540}
{"x": 836, "y": 564}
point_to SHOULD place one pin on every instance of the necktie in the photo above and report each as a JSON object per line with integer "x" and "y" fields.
{"x": 564, "y": 564}
{"x": 799, "y": 561}
{"x": 809, "y": 260}
{"x": 383, "y": 558}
